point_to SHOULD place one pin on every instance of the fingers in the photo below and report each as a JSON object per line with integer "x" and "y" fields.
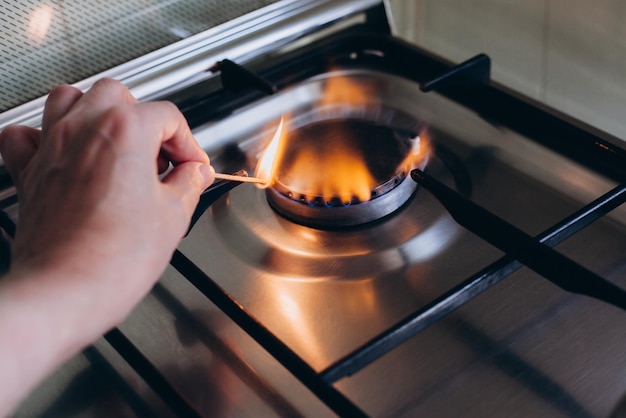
{"x": 104, "y": 94}
{"x": 161, "y": 123}
{"x": 163, "y": 163}
{"x": 59, "y": 102}
{"x": 171, "y": 140}
{"x": 167, "y": 131}
{"x": 18, "y": 145}
{"x": 156, "y": 130}
{"x": 188, "y": 180}
{"x": 192, "y": 172}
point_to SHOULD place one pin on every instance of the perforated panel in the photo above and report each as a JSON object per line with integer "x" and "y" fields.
{"x": 47, "y": 43}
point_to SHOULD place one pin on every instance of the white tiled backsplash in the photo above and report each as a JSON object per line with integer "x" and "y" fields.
{"x": 569, "y": 54}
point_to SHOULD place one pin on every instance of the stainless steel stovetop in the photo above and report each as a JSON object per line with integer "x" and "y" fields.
{"x": 520, "y": 347}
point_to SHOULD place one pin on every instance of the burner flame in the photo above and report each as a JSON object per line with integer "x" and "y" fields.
{"x": 336, "y": 172}
{"x": 345, "y": 91}
{"x": 420, "y": 151}
{"x": 329, "y": 167}
{"x": 268, "y": 164}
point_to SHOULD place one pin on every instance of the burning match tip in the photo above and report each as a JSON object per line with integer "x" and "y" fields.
{"x": 241, "y": 178}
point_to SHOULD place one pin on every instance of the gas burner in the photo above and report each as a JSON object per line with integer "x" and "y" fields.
{"x": 344, "y": 172}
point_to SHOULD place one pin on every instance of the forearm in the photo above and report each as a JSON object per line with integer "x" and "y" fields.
{"x": 44, "y": 320}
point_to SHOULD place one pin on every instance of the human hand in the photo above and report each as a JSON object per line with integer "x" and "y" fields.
{"x": 97, "y": 225}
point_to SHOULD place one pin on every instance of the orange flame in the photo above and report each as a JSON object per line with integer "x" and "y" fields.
{"x": 268, "y": 164}
{"x": 332, "y": 173}
{"x": 346, "y": 91}
{"x": 419, "y": 153}
{"x": 331, "y": 169}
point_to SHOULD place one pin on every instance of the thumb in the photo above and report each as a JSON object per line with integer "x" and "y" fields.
{"x": 189, "y": 179}
{"x": 18, "y": 145}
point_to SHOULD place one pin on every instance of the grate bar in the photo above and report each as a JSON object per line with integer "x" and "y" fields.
{"x": 283, "y": 354}
{"x": 150, "y": 374}
{"x": 467, "y": 290}
{"x": 133, "y": 399}
{"x": 245, "y": 372}
{"x": 552, "y": 265}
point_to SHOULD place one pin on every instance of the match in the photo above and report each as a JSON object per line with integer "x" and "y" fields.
{"x": 243, "y": 179}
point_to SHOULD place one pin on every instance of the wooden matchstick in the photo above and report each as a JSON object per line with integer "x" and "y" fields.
{"x": 244, "y": 179}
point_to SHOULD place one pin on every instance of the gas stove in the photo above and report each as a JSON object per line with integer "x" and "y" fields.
{"x": 403, "y": 297}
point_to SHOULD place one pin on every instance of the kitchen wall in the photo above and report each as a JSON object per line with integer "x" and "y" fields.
{"x": 569, "y": 54}
{"x": 44, "y": 43}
